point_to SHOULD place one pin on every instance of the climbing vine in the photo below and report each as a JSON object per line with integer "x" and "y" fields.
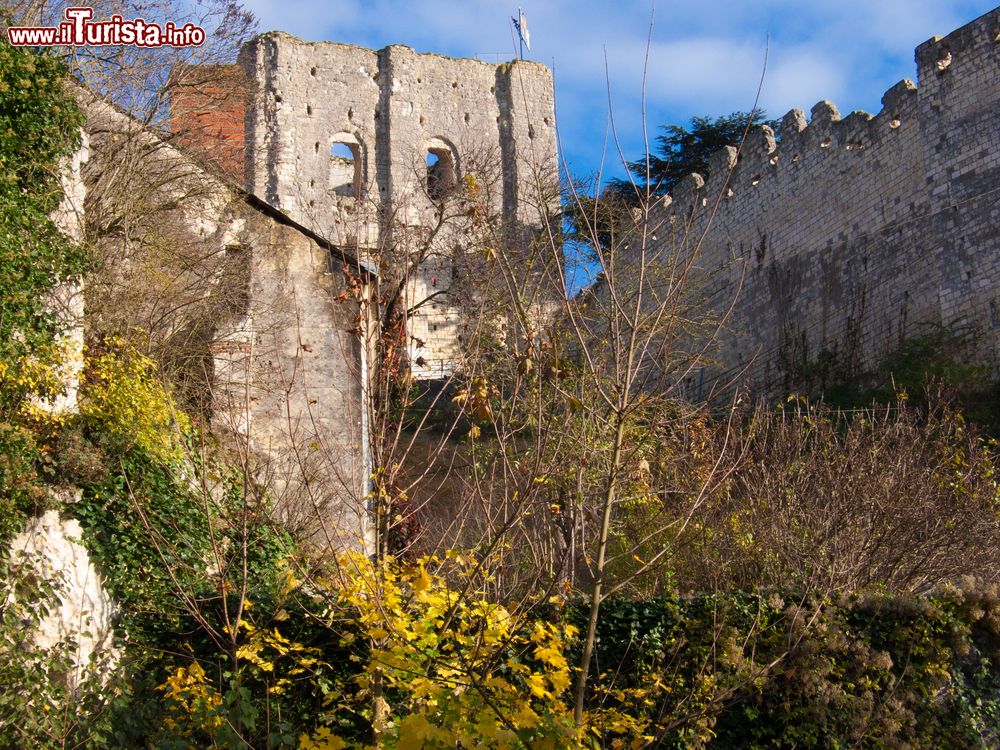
{"x": 39, "y": 126}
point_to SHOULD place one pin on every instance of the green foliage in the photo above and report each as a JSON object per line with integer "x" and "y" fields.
{"x": 41, "y": 681}
{"x": 20, "y": 491}
{"x": 604, "y": 219}
{"x": 938, "y": 354}
{"x": 154, "y": 520}
{"x": 144, "y": 527}
{"x": 742, "y": 671}
{"x": 938, "y": 357}
{"x": 145, "y": 522}
{"x": 883, "y": 672}
{"x": 229, "y": 641}
{"x": 183, "y": 546}
{"x": 38, "y": 125}
{"x": 681, "y": 151}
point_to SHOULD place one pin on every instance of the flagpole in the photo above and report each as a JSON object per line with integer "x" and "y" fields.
{"x": 521, "y": 24}
{"x": 520, "y": 32}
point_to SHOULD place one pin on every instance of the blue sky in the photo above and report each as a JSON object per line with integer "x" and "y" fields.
{"x": 705, "y": 58}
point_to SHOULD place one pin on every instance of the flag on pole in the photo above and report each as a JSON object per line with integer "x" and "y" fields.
{"x": 521, "y": 24}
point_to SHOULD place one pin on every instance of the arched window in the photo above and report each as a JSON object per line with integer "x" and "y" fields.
{"x": 346, "y": 159}
{"x": 442, "y": 168}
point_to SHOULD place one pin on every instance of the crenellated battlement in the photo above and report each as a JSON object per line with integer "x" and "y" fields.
{"x": 854, "y": 230}
{"x": 762, "y": 156}
{"x": 961, "y": 51}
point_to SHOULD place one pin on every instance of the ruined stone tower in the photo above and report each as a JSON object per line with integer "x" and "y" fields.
{"x": 360, "y": 145}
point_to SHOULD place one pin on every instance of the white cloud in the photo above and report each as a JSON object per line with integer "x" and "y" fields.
{"x": 800, "y": 78}
{"x": 706, "y": 57}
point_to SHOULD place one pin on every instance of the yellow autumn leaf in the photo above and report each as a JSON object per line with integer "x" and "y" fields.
{"x": 525, "y": 718}
{"x": 322, "y": 739}
{"x": 536, "y": 683}
{"x": 413, "y": 731}
{"x": 423, "y": 580}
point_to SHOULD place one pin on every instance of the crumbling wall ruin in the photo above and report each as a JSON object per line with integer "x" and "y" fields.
{"x": 75, "y": 627}
{"x": 848, "y": 233}
{"x": 251, "y": 314}
{"x": 362, "y": 145}
{"x": 842, "y": 238}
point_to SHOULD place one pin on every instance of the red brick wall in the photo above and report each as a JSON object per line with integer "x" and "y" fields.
{"x": 207, "y": 105}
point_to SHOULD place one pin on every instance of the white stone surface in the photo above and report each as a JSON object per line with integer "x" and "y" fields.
{"x": 50, "y": 548}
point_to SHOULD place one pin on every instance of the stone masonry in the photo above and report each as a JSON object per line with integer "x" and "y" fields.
{"x": 851, "y": 233}
{"x": 359, "y": 145}
{"x": 844, "y": 238}
{"x": 272, "y": 334}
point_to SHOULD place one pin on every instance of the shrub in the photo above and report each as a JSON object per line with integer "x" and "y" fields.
{"x": 123, "y": 396}
{"x": 887, "y": 498}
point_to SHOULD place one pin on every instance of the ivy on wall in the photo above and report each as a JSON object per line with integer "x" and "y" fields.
{"x": 39, "y": 126}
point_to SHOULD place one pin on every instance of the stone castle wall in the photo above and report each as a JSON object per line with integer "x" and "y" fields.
{"x": 338, "y": 137}
{"x": 843, "y": 238}
{"x": 849, "y": 233}
{"x": 267, "y": 335}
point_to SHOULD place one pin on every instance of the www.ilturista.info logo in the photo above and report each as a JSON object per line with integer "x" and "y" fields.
{"x": 78, "y": 30}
